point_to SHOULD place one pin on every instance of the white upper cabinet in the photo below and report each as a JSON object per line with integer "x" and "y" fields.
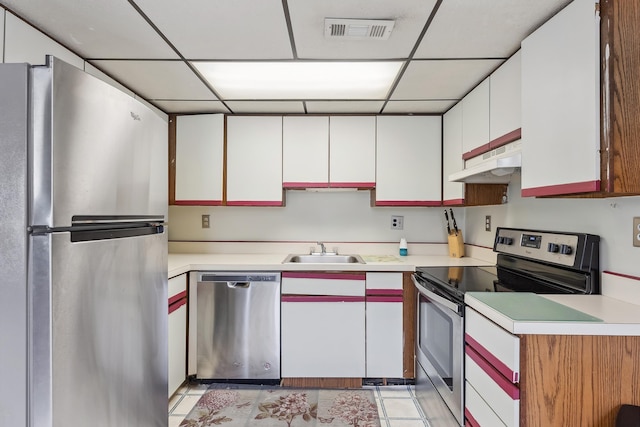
{"x": 329, "y": 151}
{"x": 505, "y": 109}
{"x": 254, "y": 161}
{"x": 408, "y": 161}
{"x": 199, "y": 159}
{"x": 475, "y": 123}
{"x": 560, "y": 104}
{"x": 352, "y": 152}
{"x": 453, "y": 192}
{"x": 305, "y": 151}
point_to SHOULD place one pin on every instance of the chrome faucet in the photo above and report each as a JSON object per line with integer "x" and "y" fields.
{"x": 322, "y": 248}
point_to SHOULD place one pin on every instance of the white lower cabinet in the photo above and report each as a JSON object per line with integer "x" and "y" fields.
{"x": 384, "y": 336}
{"x": 323, "y": 325}
{"x": 177, "y": 331}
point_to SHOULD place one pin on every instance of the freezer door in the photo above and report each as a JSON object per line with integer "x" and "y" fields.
{"x": 98, "y": 331}
{"x": 96, "y": 150}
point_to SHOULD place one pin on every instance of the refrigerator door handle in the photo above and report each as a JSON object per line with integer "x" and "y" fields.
{"x": 242, "y": 285}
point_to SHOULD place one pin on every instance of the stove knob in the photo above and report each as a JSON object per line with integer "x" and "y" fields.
{"x": 500, "y": 239}
{"x": 553, "y": 247}
{"x": 565, "y": 250}
{"x": 508, "y": 241}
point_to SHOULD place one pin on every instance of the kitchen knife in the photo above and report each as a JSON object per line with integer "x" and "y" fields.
{"x": 453, "y": 218}
{"x": 446, "y": 215}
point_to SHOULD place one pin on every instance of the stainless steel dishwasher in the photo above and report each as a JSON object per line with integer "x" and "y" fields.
{"x": 238, "y": 325}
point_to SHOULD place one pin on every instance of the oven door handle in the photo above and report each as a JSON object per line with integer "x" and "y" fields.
{"x": 457, "y": 308}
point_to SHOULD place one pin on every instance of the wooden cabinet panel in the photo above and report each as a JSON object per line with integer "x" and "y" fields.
{"x": 305, "y": 152}
{"x": 199, "y": 159}
{"x": 560, "y": 104}
{"x": 408, "y": 161}
{"x": 254, "y": 161}
{"x": 352, "y": 151}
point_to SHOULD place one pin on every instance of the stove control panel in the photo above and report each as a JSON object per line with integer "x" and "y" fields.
{"x": 558, "y": 248}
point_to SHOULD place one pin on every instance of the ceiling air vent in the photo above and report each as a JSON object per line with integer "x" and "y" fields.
{"x": 361, "y": 29}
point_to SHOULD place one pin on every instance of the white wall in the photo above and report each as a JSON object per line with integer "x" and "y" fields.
{"x": 309, "y": 216}
{"x": 610, "y": 218}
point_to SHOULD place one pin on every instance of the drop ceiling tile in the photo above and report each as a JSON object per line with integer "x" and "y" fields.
{"x": 191, "y": 106}
{"x": 23, "y": 43}
{"x": 266, "y": 107}
{"x": 95, "y": 29}
{"x": 337, "y": 107}
{"x": 162, "y": 80}
{"x": 423, "y": 107}
{"x": 222, "y": 29}
{"x": 483, "y": 28}
{"x": 444, "y": 79}
{"x": 308, "y": 27}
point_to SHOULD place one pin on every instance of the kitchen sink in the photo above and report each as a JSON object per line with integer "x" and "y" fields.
{"x": 324, "y": 258}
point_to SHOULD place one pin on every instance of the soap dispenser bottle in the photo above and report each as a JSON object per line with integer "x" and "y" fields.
{"x": 403, "y": 247}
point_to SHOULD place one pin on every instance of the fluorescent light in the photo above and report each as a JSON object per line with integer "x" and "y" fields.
{"x": 300, "y": 80}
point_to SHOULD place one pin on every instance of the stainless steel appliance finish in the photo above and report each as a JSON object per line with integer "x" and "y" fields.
{"x": 238, "y": 326}
{"x": 85, "y": 207}
{"x": 528, "y": 261}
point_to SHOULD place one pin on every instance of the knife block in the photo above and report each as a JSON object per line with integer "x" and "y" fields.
{"x": 456, "y": 245}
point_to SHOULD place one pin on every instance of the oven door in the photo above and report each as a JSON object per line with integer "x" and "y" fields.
{"x": 440, "y": 346}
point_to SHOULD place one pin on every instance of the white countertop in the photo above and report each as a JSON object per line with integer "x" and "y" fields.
{"x": 183, "y": 262}
{"x": 618, "y": 317}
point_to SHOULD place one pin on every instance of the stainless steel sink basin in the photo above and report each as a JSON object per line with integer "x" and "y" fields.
{"x": 324, "y": 258}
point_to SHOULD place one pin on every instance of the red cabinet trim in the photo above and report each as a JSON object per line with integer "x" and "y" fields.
{"x": 177, "y": 297}
{"x": 453, "y": 202}
{"x": 384, "y": 292}
{"x": 254, "y": 202}
{"x": 408, "y": 203}
{"x": 381, "y": 298}
{"x": 514, "y": 135}
{"x": 320, "y": 298}
{"x": 556, "y": 190}
{"x": 507, "y": 386}
{"x": 176, "y": 305}
{"x": 470, "y": 421}
{"x": 498, "y": 364}
{"x": 626, "y": 276}
{"x": 332, "y": 276}
{"x": 198, "y": 202}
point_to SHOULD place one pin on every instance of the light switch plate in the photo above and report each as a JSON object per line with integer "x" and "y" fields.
{"x": 636, "y": 231}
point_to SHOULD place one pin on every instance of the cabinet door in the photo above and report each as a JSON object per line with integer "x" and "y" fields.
{"x": 505, "y": 109}
{"x": 475, "y": 119}
{"x": 254, "y": 161}
{"x": 323, "y": 325}
{"x": 199, "y": 159}
{"x": 560, "y": 104}
{"x": 408, "y": 161}
{"x": 177, "y": 330}
{"x": 305, "y": 152}
{"x": 452, "y": 192}
{"x": 352, "y": 151}
{"x": 384, "y": 337}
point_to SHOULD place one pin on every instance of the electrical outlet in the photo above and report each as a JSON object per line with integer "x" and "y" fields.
{"x": 636, "y": 231}
{"x": 487, "y": 223}
{"x": 397, "y": 222}
{"x": 205, "y": 221}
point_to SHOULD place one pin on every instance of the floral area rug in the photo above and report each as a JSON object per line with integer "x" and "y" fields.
{"x": 231, "y": 405}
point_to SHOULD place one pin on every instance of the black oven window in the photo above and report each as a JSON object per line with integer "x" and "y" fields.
{"x": 436, "y": 339}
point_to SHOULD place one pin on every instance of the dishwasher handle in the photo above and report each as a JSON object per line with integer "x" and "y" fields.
{"x": 236, "y": 285}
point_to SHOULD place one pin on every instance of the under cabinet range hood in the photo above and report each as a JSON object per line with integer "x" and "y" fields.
{"x": 492, "y": 167}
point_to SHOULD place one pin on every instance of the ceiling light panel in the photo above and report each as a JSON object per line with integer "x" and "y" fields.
{"x": 300, "y": 80}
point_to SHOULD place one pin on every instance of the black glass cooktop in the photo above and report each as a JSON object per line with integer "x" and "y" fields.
{"x": 463, "y": 279}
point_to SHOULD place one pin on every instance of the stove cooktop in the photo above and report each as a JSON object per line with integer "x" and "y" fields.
{"x": 462, "y": 279}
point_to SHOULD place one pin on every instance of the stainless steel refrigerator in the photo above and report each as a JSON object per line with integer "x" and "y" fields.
{"x": 83, "y": 252}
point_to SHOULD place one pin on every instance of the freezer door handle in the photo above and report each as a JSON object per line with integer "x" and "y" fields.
{"x": 242, "y": 285}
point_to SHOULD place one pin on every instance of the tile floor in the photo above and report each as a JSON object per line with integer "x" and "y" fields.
{"x": 397, "y": 405}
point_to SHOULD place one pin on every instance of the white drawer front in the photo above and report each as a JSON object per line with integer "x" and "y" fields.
{"x": 177, "y": 284}
{"x": 504, "y": 405}
{"x": 500, "y": 348}
{"x": 384, "y": 280}
{"x": 478, "y": 409}
{"x": 324, "y": 284}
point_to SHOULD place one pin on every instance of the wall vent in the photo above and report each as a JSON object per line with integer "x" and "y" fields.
{"x": 359, "y": 29}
